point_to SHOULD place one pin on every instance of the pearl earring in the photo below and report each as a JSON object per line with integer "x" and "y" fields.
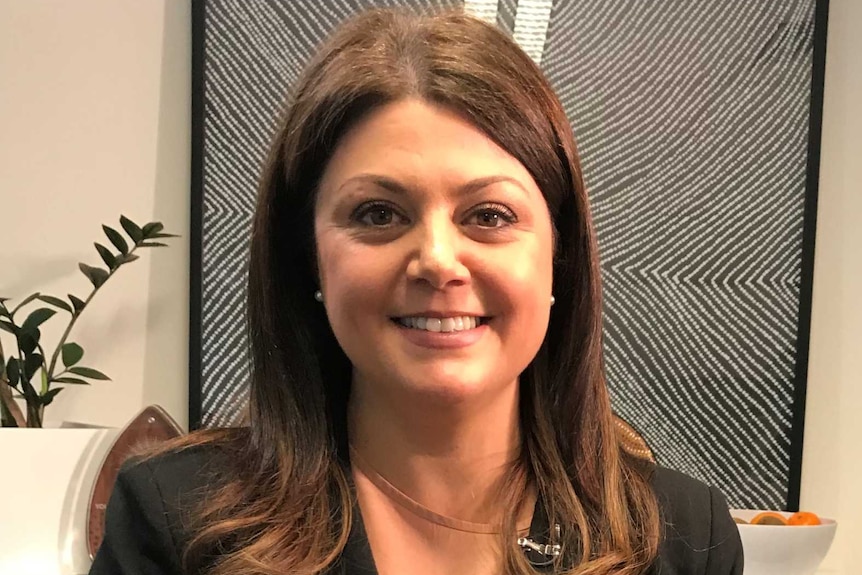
{"x": 318, "y": 295}
{"x": 553, "y": 300}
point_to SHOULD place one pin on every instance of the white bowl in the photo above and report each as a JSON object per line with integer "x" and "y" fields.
{"x": 783, "y": 549}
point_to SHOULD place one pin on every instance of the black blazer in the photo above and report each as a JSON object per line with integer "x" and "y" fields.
{"x": 144, "y": 532}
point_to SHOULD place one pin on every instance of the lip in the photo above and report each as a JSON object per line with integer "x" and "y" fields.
{"x": 441, "y": 340}
{"x": 441, "y": 314}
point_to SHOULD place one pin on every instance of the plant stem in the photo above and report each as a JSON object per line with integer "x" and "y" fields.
{"x": 34, "y": 415}
{"x": 42, "y": 351}
{"x": 75, "y": 317}
{"x": 8, "y": 407}
{"x": 43, "y": 369}
{"x": 9, "y": 410}
{"x": 31, "y": 422}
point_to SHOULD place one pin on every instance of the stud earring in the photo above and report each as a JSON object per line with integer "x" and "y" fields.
{"x": 318, "y": 295}
{"x": 553, "y": 300}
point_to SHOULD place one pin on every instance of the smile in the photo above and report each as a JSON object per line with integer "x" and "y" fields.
{"x": 442, "y": 325}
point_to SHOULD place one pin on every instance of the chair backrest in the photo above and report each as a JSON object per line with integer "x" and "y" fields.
{"x": 151, "y": 426}
{"x": 631, "y": 441}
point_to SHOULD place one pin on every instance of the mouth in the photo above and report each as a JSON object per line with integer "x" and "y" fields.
{"x": 442, "y": 324}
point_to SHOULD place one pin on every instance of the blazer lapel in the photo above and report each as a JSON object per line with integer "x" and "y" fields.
{"x": 356, "y": 559}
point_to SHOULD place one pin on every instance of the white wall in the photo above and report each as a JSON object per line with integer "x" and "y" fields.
{"x": 832, "y": 459}
{"x": 94, "y": 123}
{"x": 94, "y": 110}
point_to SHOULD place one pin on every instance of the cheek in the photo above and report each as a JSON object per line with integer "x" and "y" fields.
{"x": 351, "y": 279}
{"x": 522, "y": 282}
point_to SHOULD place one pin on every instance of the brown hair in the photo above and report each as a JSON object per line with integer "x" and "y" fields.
{"x": 285, "y": 503}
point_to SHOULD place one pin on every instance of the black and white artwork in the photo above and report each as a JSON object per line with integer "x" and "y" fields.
{"x": 698, "y": 127}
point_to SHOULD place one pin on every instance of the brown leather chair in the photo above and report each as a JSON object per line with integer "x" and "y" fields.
{"x": 631, "y": 441}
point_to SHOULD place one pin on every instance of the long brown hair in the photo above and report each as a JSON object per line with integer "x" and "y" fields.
{"x": 285, "y": 501}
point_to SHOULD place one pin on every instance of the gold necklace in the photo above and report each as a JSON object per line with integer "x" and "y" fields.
{"x": 413, "y": 506}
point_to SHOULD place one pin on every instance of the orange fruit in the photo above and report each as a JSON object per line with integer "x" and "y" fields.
{"x": 769, "y": 518}
{"x": 803, "y": 518}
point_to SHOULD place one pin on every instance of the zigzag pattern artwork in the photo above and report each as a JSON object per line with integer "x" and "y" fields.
{"x": 254, "y": 52}
{"x": 692, "y": 123}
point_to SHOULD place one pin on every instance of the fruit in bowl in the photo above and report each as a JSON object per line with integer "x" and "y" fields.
{"x": 781, "y": 542}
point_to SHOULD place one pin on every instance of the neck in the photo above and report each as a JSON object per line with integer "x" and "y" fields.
{"x": 451, "y": 457}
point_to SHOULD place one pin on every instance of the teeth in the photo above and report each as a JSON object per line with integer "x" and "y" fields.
{"x": 436, "y": 324}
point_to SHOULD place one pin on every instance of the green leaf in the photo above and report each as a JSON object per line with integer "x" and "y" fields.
{"x": 47, "y": 397}
{"x": 155, "y": 236}
{"x": 37, "y": 318}
{"x": 116, "y": 239}
{"x": 124, "y": 259}
{"x": 152, "y": 228}
{"x": 152, "y": 245}
{"x": 56, "y": 302}
{"x": 89, "y": 372}
{"x": 32, "y": 363}
{"x": 29, "y": 392}
{"x": 97, "y": 276}
{"x": 74, "y": 380}
{"x": 3, "y": 300}
{"x": 77, "y": 303}
{"x": 106, "y": 255}
{"x": 134, "y": 231}
{"x": 28, "y": 340}
{"x": 72, "y": 354}
{"x": 12, "y": 371}
{"x": 23, "y": 302}
{"x": 6, "y": 326}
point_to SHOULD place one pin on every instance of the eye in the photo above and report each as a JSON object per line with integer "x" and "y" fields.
{"x": 492, "y": 216}
{"x": 377, "y": 214}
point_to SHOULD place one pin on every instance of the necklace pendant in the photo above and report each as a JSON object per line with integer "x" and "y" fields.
{"x": 546, "y": 552}
{"x": 545, "y": 549}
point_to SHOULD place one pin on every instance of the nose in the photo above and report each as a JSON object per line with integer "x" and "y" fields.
{"x": 437, "y": 256}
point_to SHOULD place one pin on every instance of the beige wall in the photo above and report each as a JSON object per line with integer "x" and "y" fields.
{"x": 832, "y": 460}
{"x": 95, "y": 122}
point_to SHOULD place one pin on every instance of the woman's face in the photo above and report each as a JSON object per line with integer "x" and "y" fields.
{"x": 434, "y": 247}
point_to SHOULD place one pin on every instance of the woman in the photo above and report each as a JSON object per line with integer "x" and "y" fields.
{"x": 425, "y": 325}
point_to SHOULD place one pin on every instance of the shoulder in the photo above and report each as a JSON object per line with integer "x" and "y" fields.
{"x": 182, "y": 470}
{"x": 699, "y": 536}
{"x": 179, "y": 479}
{"x": 148, "y": 517}
{"x": 680, "y": 494}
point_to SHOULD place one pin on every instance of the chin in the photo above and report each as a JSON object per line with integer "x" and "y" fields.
{"x": 453, "y": 390}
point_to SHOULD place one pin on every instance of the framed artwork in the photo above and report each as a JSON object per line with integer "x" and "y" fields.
{"x": 698, "y": 125}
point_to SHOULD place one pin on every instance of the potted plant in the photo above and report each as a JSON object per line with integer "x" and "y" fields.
{"x": 26, "y": 371}
{"x": 63, "y": 462}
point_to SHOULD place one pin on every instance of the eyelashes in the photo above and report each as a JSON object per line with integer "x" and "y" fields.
{"x": 493, "y": 215}
{"x": 383, "y": 215}
{"x": 377, "y": 214}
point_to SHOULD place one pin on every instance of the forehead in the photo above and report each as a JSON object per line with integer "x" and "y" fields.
{"x": 420, "y": 145}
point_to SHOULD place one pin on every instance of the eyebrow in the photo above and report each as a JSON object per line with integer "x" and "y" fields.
{"x": 396, "y": 187}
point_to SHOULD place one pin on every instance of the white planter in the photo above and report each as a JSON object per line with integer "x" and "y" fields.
{"x": 48, "y": 476}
